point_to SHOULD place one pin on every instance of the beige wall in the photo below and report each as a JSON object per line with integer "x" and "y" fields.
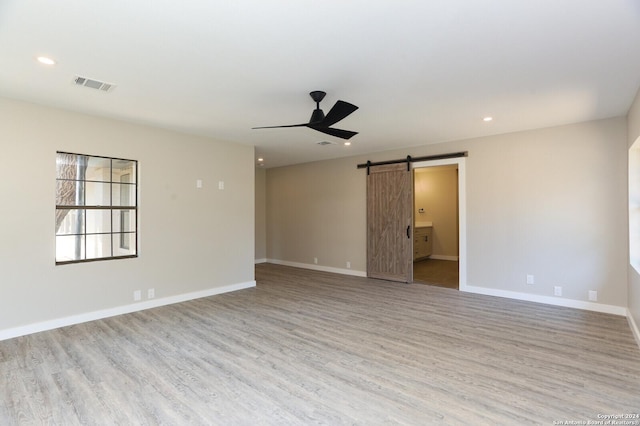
{"x": 436, "y": 191}
{"x": 315, "y": 210}
{"x": 633, "y": 120}
{"x": 261, "y": 215}
{"x": 548, "y": 202}
{"x": 190, "y": 240}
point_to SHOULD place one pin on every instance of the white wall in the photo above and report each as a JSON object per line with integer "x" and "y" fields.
{"x": 190, "y": 240}
{"x": 548, "y": 202}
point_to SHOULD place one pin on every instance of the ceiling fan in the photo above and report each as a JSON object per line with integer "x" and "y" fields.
{"x": 322, "y": 123}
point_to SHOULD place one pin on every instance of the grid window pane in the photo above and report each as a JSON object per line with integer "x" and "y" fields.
{"x": 71, "y": 221}
{"x": 99, "y": 169}
{"x": 98, "y": 246}
{"x": 97, "y": 194}
{"x": 124, "y": 221}
{"x": 68, "y": 165}
{"x": 67, "y": 193}
{"x": 124, "y": 194}
{"x": 123, "y": 168}
{"x": 70, "y": 248}
{"x": 98, "y": 221}
{"x": 124, "y": 244}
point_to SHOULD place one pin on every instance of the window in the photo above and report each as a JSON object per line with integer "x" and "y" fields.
{"x": 634, "y": 205}
{"x": 96, "y": 208}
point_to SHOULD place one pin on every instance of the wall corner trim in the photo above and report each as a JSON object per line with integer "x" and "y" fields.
{"x": 119, "y": 310}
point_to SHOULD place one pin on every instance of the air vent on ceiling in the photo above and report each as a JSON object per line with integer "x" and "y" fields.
{"x": 323, "y": 143}
{"x": 94, "y": 84}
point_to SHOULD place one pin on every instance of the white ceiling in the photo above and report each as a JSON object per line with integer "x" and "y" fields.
{"x": 421, "y": 71}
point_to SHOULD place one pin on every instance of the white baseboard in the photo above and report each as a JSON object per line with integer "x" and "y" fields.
{"x": 634, "y": 327}
{"x": 443, "y": 257}
{"x": 119, "y": 310}
{"x": 557, "y": 301}
{"x": 264, "y": 260}
{"x": 315, "y": 267}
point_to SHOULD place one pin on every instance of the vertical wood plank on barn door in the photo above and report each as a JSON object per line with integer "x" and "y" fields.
{"x": 390, "y": 223}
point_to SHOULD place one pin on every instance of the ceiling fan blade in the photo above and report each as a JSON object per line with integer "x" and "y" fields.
{"x": 277, "y": 127}
{"x": 339, "y": 111}
{"x": 344, "y": 134}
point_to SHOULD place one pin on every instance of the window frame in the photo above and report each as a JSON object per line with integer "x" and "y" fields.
{"x": 113, "y": 206}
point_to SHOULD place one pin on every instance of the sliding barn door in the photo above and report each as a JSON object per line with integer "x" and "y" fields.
{"x": 389, "y": 223}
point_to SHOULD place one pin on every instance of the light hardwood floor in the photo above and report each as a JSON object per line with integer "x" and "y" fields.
{"x": 307, "y": 347}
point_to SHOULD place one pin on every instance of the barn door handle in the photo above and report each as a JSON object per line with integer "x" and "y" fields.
{"x": 409, "y": 231}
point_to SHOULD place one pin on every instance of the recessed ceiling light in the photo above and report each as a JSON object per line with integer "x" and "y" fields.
{"x": 347, "y": 143}
{"x": 46, "y": 61}
{"x": 261, "y": 159}
{"x": 487, "y": 119}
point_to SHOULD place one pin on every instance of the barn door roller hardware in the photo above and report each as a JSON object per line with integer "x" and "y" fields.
{"x": 411, "y": 159}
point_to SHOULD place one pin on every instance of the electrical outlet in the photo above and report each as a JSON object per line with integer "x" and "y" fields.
{"x": 151, "y": 293}
{"x": 593, "y": 295}
{"x": 220, "y": 184}
{"x": 315, "y": 260}
{"x": 348, "y": 265}
{"x": 557, "y": 291}
{"x": 137, "y": 295}
{"x": 530, "y": 279}
{"x": 198, "y": 183}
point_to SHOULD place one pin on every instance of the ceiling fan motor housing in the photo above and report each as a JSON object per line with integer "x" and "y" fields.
{"x": 316, "y": 116}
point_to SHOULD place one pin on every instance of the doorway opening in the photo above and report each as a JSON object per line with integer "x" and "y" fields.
{"x": 435, "y": 212}
{"x": 439, "y": 255}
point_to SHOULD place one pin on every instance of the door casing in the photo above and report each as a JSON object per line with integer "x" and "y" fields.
{"x": 462, "y": 212}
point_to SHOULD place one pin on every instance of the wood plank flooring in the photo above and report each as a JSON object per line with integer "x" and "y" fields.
{"x": 307, "y": 347}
